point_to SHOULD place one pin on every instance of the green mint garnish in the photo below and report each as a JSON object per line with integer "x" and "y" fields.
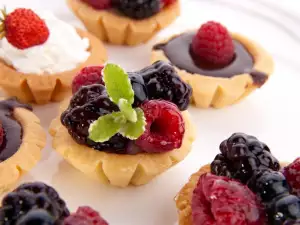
{"x": 129, "y": 122}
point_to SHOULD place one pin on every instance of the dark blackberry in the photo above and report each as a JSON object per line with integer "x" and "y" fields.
{"x": 139, "y": 88}
{"x": 86, "y": 106}
{"x": 37, "y": 217}
{"x": 32, "y": 196}
{"x": 163, "y": 82}
{"x": 138, "y": 9}
{"x": 241, "y": 155}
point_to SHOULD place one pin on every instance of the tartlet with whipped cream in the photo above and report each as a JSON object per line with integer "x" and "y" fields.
{"x": 40, "y": 54}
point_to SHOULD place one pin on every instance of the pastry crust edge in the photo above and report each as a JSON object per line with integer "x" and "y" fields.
{"x": 219, "y": 92}
{"x": 115, "y": 169}
{"x": 42, "y": 89}
{"x": 120, "y": 30}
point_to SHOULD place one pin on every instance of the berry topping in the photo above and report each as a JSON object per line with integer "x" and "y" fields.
{"x": 87, "y": 76}
{"x": 164, "y": 129}
{"x": 167, "y": 2}
{"x": 241, "y": 155}
{"x": 85, "y": 216}
{"x": 140, "y": 9}
{"x": 24, "y": 29}
{"x": 139, "y": 88}
{"x": 32, "y": 196}
{"x": 163, "y": 82}
{"x": 213, "y": 44}
{"x": 221, "y": 201}
{"x": 2, "y": 134}
{"x": 86, "y": 106}
{"x": 36, "y": 217}
{"x": 292, "y": 174}
{"x": 99, "y": 4}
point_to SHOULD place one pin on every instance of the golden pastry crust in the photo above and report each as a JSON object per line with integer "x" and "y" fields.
{"x": 29, "y": 153}
{"x": 218, "y": 92}
{"x": 42, "y": 89}
{"x": 116, "y": 29}
{"x": 115, "y": 169}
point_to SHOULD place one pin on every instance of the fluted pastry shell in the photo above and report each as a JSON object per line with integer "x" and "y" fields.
{"x": 218, "y": 92}
{"x": 118, "y": 169}
{"x": 42, "y": 89}
{"x": 29, "y": 152}
{"x": 114, "y": 28}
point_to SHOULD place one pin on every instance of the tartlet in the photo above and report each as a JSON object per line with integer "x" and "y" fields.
{"x": 211, "y": 88}
{"x": 112, "y": 27}
{"x": 28, "y": 153}
{"x": 118, "y": 166}
{"x": 274, "y": 196}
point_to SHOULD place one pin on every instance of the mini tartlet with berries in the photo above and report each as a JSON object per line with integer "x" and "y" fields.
{"x": 128, "y": 131}
{"x": 222, "y": 68}
{"x": 243, "y": 185}
{"x": 40, "y": 54}
{"x": 125, "y": 22}
{"x": 21, "y": 140}
{"x": 38, "y": 203}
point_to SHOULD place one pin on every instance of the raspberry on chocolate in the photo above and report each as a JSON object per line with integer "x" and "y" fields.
{"x": 213, "y": 44}
{"x": 87, "y": 76}
{"x": 168, "y": 2}
{"x": 165, "y": 127}
{"x": 85, "y": 216}
{"x": 221, "y": 201}
{"x": 292, "y": 174}
{"x": 99, "y": 4}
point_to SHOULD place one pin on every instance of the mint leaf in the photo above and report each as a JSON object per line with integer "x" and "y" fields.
{"x": 127, "y": 110}
{"x": 105, "y": 127}
{"x": 117, "y": 83}
{"x": 133, "y": 130}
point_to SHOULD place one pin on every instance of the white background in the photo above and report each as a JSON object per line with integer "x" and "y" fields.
{"x": 272, "y": 113}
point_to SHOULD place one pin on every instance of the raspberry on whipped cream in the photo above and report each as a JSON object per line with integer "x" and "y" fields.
{"x": 64, "y": 50}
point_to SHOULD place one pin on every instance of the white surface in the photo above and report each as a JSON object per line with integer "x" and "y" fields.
{"x": 271, "y": 114}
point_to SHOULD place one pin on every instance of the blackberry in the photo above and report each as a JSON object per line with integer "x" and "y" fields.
{"x": 163, "y": 82}
{"x": 242, "y": 155}
{"x": 32, "y": 196}
{"x": 138, "y": 9}
{"x": 86, "y": 106}
{"x": 139, "y": 88}
{"x": 37, "y": 217}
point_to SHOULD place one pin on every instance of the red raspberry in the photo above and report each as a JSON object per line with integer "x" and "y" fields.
{"x": 213, "y": 44}
{"x": 1, "y": 134}
{"x": 292, "y": 174}
{"x": 85, "y": 216}
{"x": 222, "y": 201}
{"x": 168, "y": 2}
{"x": 87, "y": 76}
{"x": 165, "y": 127}
{"x": 99, "y": 4}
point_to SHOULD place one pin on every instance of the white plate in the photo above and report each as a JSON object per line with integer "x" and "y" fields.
{"x": 272, "y": 113}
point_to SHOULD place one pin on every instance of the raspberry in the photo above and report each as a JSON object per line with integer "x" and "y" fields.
{"x": 2, "y": 134}
{"x": 220, "y": 201}
{"x": 141, "y": 9}
{"x": 163, "y": 82}
{"x": 86, "y": 106}
{"x": 87, "y": 76}
{"x": 37, "y": 216}
{"x": 241, "y": 155}
{"x": 32, "y": 196}
{"x": 85, "y": 216}
{"x": 168, "y": 2}
{"x": 165, "y": 127}
{"x": 24, "y": 29}
{"x": 292, "y": 174}
{"x": 99, "y": 4}
{"x": 213, "y": 44}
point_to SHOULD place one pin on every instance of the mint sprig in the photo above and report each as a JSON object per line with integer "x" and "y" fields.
{"x": 129, "y": 122}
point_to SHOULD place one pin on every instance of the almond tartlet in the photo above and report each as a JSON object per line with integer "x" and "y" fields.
{"x": 125, "y": 22}
{"x": 126, "y": 132}
{"x": 222, "y": 68}
{"x": 38, "y": 64}
{"x": 243, "y": 185}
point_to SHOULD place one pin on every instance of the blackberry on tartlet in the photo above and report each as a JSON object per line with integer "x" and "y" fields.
{"x": 126, "y": 128}
{"x": 125, "y": 22}
{"x": 222, "y": 67}
{"x": 243, "y": 185}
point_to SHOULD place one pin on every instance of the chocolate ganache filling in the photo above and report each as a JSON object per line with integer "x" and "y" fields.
{"x": 178, "y": 51}
{"x": 12, "y": 129}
